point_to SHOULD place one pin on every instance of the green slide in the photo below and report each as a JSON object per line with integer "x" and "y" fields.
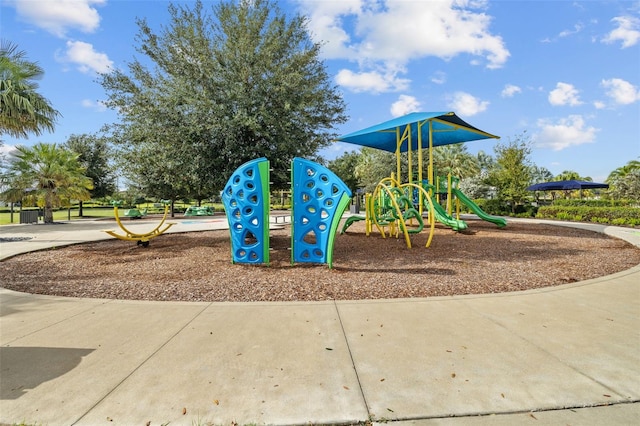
{"x": 443, "y": 217}
{"x": 501, "y": 222}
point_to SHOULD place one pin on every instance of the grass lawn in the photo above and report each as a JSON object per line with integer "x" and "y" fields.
{"x": 94, "y": 213}
{"x": 59, "y": 215}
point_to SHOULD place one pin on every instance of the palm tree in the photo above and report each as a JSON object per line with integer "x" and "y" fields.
{"x": 623, "y": 171}
{"x": 540, "y": 174}
{"x": 373, "y": 165}
{"x": 22, "y": 109}
{"x": 485, "y": 162}
{"x": 573, "y": 175}
{"x": 624, "y": 181}
{"x": 46, "y": 175}
{"x": 456, "y": 160}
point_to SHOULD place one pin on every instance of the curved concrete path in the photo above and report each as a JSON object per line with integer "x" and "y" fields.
{"x": 562, "y": 355}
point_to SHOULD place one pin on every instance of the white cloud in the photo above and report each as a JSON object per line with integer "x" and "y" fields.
{"x": 444, "y": 29}
{"x": 439, "y": 77}
{"x": 628, "y": 31}
{"x": 59, "y": 16}
{"x": 510, "y": 90}
{"x": 6, "y": 149}
{"x": 86, "y": 58}
{"x": 564, "y": 133}
{"x": 466, "y": 104}
{"x": 94, "y": 105}
{"x": 372, "y": 81}
{"x": 387, "y": 35}
{"x": 404, "y": 105}
{"x": 564, "y": 94}
{"x": 326, "y": 25}
{"x": 576, "y": 29}
{"x": 620, "y": 91}
{"x": 599, "y": 105}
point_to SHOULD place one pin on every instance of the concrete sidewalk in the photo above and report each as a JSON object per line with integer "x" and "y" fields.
{"x": 534, "y": 357}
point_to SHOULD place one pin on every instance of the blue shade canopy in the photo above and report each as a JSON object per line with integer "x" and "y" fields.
{"x": 447, "y": 128}
{"x": 566, "y": 185}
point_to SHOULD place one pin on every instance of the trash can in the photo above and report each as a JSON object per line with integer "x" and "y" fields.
{"x": 354, "y": 208}
{"x": 29, "y": 216}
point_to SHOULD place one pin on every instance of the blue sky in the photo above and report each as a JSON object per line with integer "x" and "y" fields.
{"x": 565, "y": 72}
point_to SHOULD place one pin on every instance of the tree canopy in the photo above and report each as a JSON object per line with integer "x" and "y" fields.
{"x": 455, "y": 159}
{"x": 625, "y": 181}
{"x": 345, "y": 168}
{"x": 46, "y": 175}
{"x": 94, "y": 155}
{"x": 511, "y": 174}
{"x": 229, "y": 84}
{"x": 22, "y": 109}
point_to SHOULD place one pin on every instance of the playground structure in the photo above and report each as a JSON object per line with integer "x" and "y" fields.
{"x": 199, "y": 211}
{"x": 140, "y": 239}
{"x": 319, "y": 199}
{"x": 393, "y": 202}
{"x": 455, "y": 195}
{"x": 135, "y": 213}
{"x": 392, "y": 207}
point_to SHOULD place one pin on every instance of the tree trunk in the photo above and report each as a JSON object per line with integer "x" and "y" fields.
{"x": 48, "y": 209}
{"x": 48, "y": 214}
{"x": 80, "y": 213}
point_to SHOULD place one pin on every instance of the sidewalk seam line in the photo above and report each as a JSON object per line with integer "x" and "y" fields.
{"x": 353, "y": 364}
{"x": 513, "y": 412}
{"x": 158, "y": 349}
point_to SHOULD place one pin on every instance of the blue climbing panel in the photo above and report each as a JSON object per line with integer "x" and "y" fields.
{"x": 246, "y": 202}
{"x": 319, "y": 200}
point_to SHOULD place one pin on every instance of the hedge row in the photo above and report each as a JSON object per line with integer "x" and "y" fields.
{"x": 500, "y": 208}
{"x": 620, "y": 216}
{"x": 591, "y": 203}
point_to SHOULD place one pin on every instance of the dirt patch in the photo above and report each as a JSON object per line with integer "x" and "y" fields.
{"x": 197, "y": 266}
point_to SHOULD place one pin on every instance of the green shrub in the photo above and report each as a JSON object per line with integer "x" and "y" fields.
{"x": 628, "y": 216}
{"x": 599, "y": 220}
{"x": 590, "y": 203}
{"x": 493, "y": 206}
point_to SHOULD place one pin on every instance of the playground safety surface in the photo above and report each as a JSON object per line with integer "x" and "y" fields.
{"x": 197, "y": 266}
{"x": 565, "y": 354}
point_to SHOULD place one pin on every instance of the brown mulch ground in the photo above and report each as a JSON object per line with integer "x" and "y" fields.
{"x": 197, "y": 266}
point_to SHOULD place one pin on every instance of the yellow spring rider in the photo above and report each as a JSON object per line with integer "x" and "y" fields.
{"x": 140, "y": 239}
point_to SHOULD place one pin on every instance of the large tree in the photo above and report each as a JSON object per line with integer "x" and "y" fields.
{"x": 624, "y": 182}
{"x": 511, "y": 174}
{"x": 540, "y": 174}
{"x": 375, "y": 165}
{"x": 455, "y": 159}
{"x": 94, "y": 155}
{"x": 571, "y": 175}
{"x": 46, "y": 175}
{"x": 22, "y": 109}
{"x": 236, "y": 82}
{"x": 475, "y": 186}
{"x": 345, "y": 168}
